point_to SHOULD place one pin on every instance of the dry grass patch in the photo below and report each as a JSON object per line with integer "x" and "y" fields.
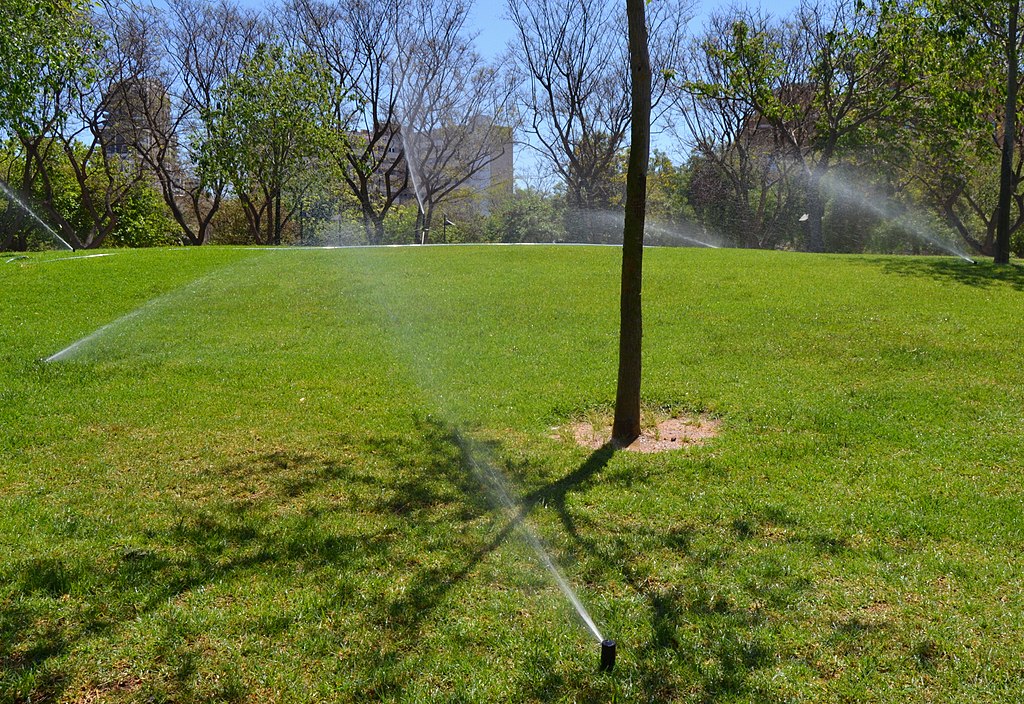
{"x": 657, "y": 433}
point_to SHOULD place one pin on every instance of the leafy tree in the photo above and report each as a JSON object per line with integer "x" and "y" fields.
{"x": 144, "y": 220}
{"x": 816, "y": 83}
{"x": 528, "y": 216}
{"x": 666, "y": 191}
{"x": 741, "y": 181}
{"x": 268, "y": 133}
{"x": 43, "y": 44}
{"x": 961, "y": 144}
{"x": 47, "y": 48}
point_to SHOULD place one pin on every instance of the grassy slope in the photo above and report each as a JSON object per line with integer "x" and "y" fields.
{"x": 250, "y": 490}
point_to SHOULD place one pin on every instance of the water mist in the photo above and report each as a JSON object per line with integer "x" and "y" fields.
{"x": 12, "y": 196}
{"x": 885, "y": 209}
{"x": 492, "y": 479}
{"x": 475, "y": 457}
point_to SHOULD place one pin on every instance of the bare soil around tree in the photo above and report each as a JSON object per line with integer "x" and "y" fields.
{"x": 658, "y": 434}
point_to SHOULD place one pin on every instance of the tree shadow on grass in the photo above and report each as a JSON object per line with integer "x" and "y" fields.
{"x": 409, "y": 511}
{"x": 704, "y": 635}
{"x": 398, "y": 510}
{"x": 979, "y": 275}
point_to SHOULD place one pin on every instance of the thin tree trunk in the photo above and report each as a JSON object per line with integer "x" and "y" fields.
{"x": 626, "y": 425}
{"x": 1006, "y": 184}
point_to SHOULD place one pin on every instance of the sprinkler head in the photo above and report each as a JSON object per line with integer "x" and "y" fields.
{"x": 607, "y": 655}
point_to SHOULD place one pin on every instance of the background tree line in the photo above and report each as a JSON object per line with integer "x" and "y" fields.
{"x": 845, "y": 126}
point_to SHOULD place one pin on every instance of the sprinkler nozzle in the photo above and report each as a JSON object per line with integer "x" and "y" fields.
{"x": 607, "y": 655}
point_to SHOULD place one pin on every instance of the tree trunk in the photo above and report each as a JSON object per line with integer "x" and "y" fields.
{"x": 378, "y": 230}
{"x": 428, "y": 218}
{"x": 1006, "y": 181}
{"x": 278, "y": 221}
{"x": 626, "y": 426}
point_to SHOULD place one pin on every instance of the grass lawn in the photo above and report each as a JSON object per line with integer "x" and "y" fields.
{"x": 248, "y": 486}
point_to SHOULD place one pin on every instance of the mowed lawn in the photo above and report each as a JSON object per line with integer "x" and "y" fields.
{"x": 248, "y": 485}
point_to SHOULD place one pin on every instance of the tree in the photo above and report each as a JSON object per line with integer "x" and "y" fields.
{"x": 414, "y": 88}
{"x": 46, "y": 47}
{"x": 739, "y": 184}
{"x": 169, "y": 65}
{"x": 817, "y": 82}
{"x": 966, "y": 141}
{"x": 528, "y": 216}
{"x": 267, "y": 134}
{"x": 1007, "y": 186}
{"x": 626, "y": 424}
{"x": 74, "y": 126}
{"x": 572, "y": 60}
{"x": 355, "y": 41}
{"x": 43, "y": 44}
{"x": 454, "y": 107}
{"x": 666, "y": 191}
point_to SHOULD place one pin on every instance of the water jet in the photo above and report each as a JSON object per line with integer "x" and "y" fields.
{"x": 412, "y": 165}
{"x": 887, "y": 210}
{"x": 12, "y": 196}
{"x": 493, "y": 481}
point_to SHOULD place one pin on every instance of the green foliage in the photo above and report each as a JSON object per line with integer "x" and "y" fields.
{"x": 43, "y": 43}
{"x": 528, "y": 216}
{"x": 945, "y": 141}
{"x": 666, "y": 191}
{"x": 143, "y": 220}
{"x": 401, "y": 224}
{"x": 143, "y": 217}
{"x": 270, "y": 133}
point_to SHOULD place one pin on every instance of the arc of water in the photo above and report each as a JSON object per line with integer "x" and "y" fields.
{"x": 491, "y": 477}
{"x": 15, "y": 199}
{"x": 412, "y": 164}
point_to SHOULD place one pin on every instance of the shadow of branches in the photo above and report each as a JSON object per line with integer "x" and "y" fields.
{"x": 979, "y": 275}
{"x": 344, "y": 527}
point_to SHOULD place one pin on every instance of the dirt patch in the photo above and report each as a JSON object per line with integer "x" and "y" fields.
{"x": 659, "y": 436}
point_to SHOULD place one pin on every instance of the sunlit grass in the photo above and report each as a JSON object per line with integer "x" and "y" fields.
{"x": 248, "y": 488}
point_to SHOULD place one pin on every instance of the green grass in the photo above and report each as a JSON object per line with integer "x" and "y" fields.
{"x": 250, "y": 488}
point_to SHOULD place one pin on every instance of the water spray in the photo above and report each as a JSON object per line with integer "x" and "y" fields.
{"x": 887, "y": 210}
{"x": 15, "y": 199}
{"x": 491, "y": 478}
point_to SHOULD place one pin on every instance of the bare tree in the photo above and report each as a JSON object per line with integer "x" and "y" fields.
{"x": 572, "y": 59}
{"x": 454, "y": 107}
{"x": 172, "y": 64}
{"x": 423, "y": 113}
{"x": 356, "y": 42}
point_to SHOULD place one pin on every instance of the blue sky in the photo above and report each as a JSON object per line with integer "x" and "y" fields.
{"x": 495, "y": 30}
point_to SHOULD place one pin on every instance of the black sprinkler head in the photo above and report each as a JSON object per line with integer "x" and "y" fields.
{"x": 607, "y": 655}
